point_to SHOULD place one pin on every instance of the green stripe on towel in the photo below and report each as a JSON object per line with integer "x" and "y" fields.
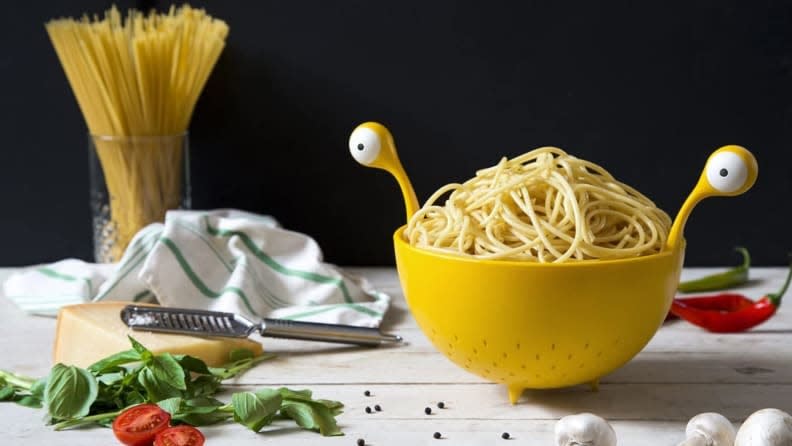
{"x": 272, "y": 263}
{"x": 197, "y": 281}
{"x": 131, "y": 262}
{"x": 69, "y": 278}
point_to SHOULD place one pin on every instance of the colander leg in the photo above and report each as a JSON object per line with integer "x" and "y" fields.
{"x": 514, "y": 393}
{"x": 594, "y": 385}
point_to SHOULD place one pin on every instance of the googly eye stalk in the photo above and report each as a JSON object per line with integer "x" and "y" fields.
{"x": 730, "y": 171}
{"x": 371, "y": 144}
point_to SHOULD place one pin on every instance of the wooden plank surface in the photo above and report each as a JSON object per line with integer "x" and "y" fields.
{"x": 682, "y": 372}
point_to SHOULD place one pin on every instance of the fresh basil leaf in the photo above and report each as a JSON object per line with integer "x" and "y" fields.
{"x": 192, "y": 364}
{"x": 199, "y": 411}
{"x": 201, "y": 405}
{"x": 171, "y": 405}
{"x": 69, "y": 392}
{"x": 11, "y": 393}
{"x": 156, "y": 389}
{"x": 29, "y": 401}
{"x": 37, "y": 389}
{"x": 145, "y": 354}
{"x": 334, "y": 406}
{"x": 203, "y": 386}
{"x": 240, "y": 354}
{"x": 306, "y": 396}
{"x": 312, "y": 416}
{"x": 120, "y": 358}
{"x": 300, "y": 395}
{"x": 202, "y": 419}
{"x": 109, "y": 379}
{"x": 255, "y": 410}
{"x": 167, "y": 370}
{"x": 7, "y": 392}
{"x": 132, "y": 398}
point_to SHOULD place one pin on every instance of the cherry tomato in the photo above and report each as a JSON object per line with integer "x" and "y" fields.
{"x": 179, "y": 436}
{"x": 138, "y": 425}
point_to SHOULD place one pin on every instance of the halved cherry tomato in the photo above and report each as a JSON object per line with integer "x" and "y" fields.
{"x": 138, "y": 425}
{"x": 179, "y": 436}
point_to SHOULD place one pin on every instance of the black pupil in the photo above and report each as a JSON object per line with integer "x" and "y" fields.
{"x": 723, "y": 172}
{"x": 360, "y": 147}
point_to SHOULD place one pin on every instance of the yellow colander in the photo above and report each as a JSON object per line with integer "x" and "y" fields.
{"x": 543, "y": 325}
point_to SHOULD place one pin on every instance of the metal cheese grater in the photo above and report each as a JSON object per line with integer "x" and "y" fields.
{"x": 215, "y": 323}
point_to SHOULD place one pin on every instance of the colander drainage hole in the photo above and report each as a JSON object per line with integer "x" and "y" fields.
{"x": 552, "y": 346}
{"x": 505, "y": 355}
{"x": 484, "y": 341}
{"x": 569, "y": 356}
{"x": 537, "y": 356}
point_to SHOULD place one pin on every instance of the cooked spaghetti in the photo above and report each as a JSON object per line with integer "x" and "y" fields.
{"x": 543, "y": 206}
{"x": 139, "y": 77}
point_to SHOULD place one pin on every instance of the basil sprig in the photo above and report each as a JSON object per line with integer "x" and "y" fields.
{"x": 182, "y": 385}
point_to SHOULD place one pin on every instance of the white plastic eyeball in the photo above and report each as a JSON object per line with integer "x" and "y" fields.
{"x": 727, "y": 172}
{"x": 364, "y": 145}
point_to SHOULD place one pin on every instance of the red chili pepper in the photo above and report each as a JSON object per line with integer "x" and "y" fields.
{"x": 729, "y": 312}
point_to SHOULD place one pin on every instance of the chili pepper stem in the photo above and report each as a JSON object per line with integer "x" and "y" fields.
{"x": 746, "y": 257}
{"x": 775, "y": 298}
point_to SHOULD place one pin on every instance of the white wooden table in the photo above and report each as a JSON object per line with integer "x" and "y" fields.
{"x": 682, "y": 372}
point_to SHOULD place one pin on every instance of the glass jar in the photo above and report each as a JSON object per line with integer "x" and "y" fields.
{"x": 134, "y": 181}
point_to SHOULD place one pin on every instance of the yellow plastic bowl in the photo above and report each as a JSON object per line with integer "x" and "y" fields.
{"x": 540, "y": 325}
{"x": 537, "y": 325}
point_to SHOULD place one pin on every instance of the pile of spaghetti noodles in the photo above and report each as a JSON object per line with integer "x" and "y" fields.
{"x": 542, "y": 206}
{"x": 139, "y": 77}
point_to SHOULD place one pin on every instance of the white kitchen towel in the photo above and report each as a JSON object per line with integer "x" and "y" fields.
{"x": 225, "y": 260}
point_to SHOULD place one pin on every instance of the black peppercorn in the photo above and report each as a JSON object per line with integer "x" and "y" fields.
{"x": 505, "y": 435}
{"x": 441, "y": 405}
{"x": 368, "y": 409}
{"x": 377, "y": 407}
{"x": 428, "y": 410}
{"x": 361, "y": 442}
{"x": 367, "y": 393}
{"x": 437, "y": 435}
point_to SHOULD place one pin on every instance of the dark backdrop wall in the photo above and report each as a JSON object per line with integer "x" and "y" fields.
{"x": 647, "y": 89}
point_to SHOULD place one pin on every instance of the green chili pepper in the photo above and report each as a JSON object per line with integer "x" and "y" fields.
{"x": 720, "y": 281}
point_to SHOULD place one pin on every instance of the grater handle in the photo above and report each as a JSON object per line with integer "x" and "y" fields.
{"x": 314, "y": 331}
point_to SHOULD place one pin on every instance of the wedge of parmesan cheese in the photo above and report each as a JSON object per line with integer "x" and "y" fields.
{"x": 89, "y": 332}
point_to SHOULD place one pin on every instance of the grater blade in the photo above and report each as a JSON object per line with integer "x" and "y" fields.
{"x": 215, "y": 323}
{"x": 187, "y": 321}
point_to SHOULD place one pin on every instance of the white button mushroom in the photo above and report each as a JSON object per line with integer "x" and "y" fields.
{"x": 584, "y": 429}
{"x": 766, "y": 427}
{"x": 709, "y": 429}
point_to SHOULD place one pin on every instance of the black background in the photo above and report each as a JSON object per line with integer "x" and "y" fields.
{"x": 646, "y": 89}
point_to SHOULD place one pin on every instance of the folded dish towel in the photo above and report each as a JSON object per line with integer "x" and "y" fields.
{"x": 225, "y": 260}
